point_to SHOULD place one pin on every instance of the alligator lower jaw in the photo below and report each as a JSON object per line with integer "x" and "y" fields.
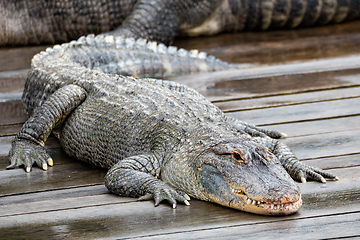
{"x": 268, "y": 208}
{"x": 282, "y": 209}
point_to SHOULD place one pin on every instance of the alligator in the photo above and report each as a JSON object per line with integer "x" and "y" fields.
{"x": 51, "y": 21}
{"x": 158, "y": 139}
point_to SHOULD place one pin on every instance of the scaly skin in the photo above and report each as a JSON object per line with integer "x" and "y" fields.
{"x": 38, "y": 21}
{"x": 160, "y": 140}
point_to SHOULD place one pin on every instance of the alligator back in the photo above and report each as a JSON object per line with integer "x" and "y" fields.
{"x": 89, "y": 61}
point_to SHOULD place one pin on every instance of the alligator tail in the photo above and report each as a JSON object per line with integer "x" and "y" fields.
{"x": 240, "y": 15}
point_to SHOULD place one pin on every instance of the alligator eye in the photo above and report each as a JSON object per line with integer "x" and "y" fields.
{"x": 237, "y": 155}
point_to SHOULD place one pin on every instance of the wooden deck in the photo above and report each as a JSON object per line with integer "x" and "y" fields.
{"x": 304, "y": 82}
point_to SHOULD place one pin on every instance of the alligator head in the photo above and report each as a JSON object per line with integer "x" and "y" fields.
{"x": 245, "y": 176}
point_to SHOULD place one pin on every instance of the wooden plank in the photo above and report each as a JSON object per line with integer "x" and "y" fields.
{"x": 324, "y": 145}
{"x": 66, "y": 173}
{"x": 126, "y": 219}
{"x": 273, "y": 47}
{"x": 332, "y": 227}
{"x": 13, "y": 113}
{"x": 58, "y": 194}
{"x": 12, "y": 81}
{"x": 340, "y": 193}
{"x": 342, "y": 161}
{"x": 276, "y": 80}
{"x": 15, "y": 58}
{"x": 61, "y": 204}
{"x": 288, "y": 99}
{"x": 74, "y": 174}
{"x": 301, "y": 112}
{"x": 10, "y": 130}
{"x": 145, "y": 221}
{"x": 296, "y": 129}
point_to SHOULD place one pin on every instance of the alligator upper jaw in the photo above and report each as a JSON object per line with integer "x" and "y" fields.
{"x": 266, "y": 208}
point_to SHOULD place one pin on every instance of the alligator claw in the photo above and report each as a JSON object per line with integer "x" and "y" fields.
{"x": 303, "y": 179}
{"x": 50, "y": 162}
{"x": 296, "y": 169}
{"x": 25, "y": 153}
{"x": 166, "y": 193}
{"x": 313, "y": 173}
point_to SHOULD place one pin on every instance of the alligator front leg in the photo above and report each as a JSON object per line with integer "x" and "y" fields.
{"x": 297, "y": 170}
{"x": 160, "y": 20}
{"x": 28, "y": 145}
{"x": 138, "y": 176}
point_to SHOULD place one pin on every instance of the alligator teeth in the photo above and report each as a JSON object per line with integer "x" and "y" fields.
{"x": 286, "y": 206}
{"x": 237, "y": 191}
{"x": 269, "y": 205}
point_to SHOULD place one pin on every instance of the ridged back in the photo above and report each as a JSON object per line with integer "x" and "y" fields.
{"x": 98, "y": 60}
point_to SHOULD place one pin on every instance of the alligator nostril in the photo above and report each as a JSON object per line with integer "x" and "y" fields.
{"x": 275, "y": 189}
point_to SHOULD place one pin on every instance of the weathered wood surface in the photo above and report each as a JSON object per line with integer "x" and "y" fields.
{"x": 304, "y": 82}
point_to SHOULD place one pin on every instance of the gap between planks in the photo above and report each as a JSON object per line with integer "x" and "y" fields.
{"x": 333, "y": 226}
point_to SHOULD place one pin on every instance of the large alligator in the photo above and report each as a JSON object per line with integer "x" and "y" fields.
{"x": 50, "y": 21}
{"x": 159, "y": 139}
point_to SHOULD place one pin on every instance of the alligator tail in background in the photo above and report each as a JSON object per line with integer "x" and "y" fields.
{"x": 239, "y": 15}
{"x": 42, "y": 22}
{"x": 39, "y": 21}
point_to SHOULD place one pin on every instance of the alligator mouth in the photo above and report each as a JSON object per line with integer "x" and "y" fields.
{"x": 273, "y": 208}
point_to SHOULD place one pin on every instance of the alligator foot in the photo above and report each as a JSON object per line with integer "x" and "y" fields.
{"x": 28, "y": 146}
{"x": 137, "y": 176}
{"x": 169, "y": 194}
{"x": 25, "y": 153}
{"x": 297, "y": 170}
